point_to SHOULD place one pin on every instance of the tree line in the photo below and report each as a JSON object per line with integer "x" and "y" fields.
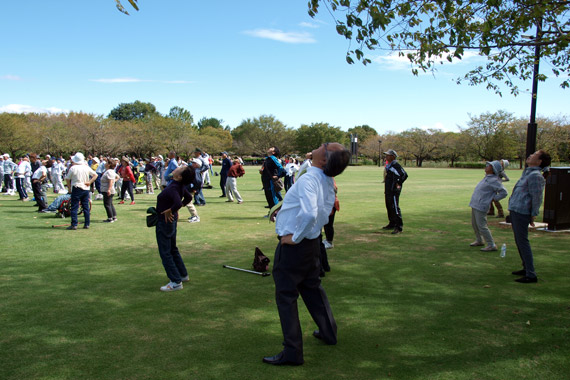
{"x": 138, "y": 129}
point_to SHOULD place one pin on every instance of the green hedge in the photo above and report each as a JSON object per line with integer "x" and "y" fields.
{"x": 470, "y": 165}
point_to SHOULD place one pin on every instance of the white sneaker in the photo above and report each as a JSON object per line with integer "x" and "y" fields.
{"x": 99, "y": 197}
{"x": 186, "y": 279}
{"x": 193, "y": 219}
{"x": 171, "y": 287}
{"x": 328, "y": 244}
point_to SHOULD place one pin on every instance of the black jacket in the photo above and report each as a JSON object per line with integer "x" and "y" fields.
{"x": 395, "y": 175}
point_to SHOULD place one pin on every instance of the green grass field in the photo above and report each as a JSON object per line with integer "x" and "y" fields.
{"x": 421, "y": 305}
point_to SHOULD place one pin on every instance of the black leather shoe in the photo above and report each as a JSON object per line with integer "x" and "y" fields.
{"x": 279, "y": 360}
{"x": 317, "y": 334}
{"x": 521, "y": 272}
{"x": 388, "y": 227}
{"x": 397, "y": 230}
{"x": 527, "y": 280}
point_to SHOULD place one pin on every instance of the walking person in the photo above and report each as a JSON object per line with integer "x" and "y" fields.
{"x": 226, "y": 165}
{"x": 79, "y": 179}
{"x": 9, "y": 169}
{"x": 234, "y": 172}
{"x": 22, "y": 171}
{"x": 168, "y": 202}
{"x": 128, "y": 180}
{"x": 489, "y": 189}
{"x": 38, "y": 178}
{"x": 108, "y": 179}
{"x": 524, "y": 206}
{"x": 395, "y": 177}
{"x": 296, "y": 267}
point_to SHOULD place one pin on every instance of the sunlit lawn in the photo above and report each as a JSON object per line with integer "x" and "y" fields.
{"x": 420, "y": 305}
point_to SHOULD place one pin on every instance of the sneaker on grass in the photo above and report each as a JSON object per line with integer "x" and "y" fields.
{"x": 186, "y": 279}
{"x": 193, "y": 219}
{"x": 171, "y": 287}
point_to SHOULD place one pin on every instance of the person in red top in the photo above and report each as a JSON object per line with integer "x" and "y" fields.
{"x": 235, "y": 171}
{"x": 128, "y": 180}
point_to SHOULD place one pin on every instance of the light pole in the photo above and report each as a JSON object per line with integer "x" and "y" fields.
{"x": 379, "y": 153}
{"x": 532, "y": 127}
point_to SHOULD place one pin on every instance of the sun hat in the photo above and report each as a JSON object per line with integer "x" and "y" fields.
{"x": 79, "y": 158}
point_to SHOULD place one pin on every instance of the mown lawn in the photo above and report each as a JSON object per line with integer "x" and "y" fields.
{"x": 420, "y": 305}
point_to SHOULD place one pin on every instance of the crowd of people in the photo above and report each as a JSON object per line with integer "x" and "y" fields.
{"x": 309, "y": 205}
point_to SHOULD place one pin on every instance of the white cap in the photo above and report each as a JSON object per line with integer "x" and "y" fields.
{"x": 197, "y": 161}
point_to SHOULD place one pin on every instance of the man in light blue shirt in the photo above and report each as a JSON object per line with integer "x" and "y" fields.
{"x": 296, "y": 266}
{"x": 172, "y": 165}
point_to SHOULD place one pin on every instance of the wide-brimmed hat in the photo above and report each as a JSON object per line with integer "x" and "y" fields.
{"x": 391, "y": 152}
{"x": 96, "y": 159}
{"x": 126, "y": 159}
{"x": 78, "y": 158}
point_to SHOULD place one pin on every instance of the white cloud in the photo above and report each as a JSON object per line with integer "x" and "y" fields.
{"x": 23, "y": 108}
{"x": 281, "y": 36}
{"x": 136, "y": 80}
{"x": 309, "y": 25}
{"x": 10, "y": 77}
{"x": 394, "y": 61}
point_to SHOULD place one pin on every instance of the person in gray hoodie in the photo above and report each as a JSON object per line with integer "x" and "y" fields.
{"x": 490, "y": 188}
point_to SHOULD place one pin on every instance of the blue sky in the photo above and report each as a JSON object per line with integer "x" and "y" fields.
{"x": 232, "y": 60}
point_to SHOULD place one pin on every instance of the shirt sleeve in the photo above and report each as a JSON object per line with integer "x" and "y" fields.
{"x": 500, "y": 191}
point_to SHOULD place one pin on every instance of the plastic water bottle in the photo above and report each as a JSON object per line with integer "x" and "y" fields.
{"x": 503, "y": 250}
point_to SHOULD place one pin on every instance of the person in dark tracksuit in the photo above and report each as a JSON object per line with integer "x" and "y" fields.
{"x": 395, "y": 177}
{"x": 271, "y": 170}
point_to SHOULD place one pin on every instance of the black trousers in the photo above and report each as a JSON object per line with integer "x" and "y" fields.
{"x": 109, "y": 207}
{"x": 393, "y": 208}
{"x": 127, "y": 186}
{"x": 38, "y": 196}
{"x": 268, "y": 190}
{"x": 223, "y": 180}
{"x": 8, "y": 182}
{"x": 329, "y": 227}
{"x": 296, "y": 270}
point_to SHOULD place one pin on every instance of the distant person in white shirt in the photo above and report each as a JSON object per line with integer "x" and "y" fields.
{"x": 79, "y": 179}
{"x": 304, "y": 166}
{"x": 296, "y": 267}
{"x": 38, "y": 178}
{"x": 23, "y": 170}
{"x": 290, "y": 170}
